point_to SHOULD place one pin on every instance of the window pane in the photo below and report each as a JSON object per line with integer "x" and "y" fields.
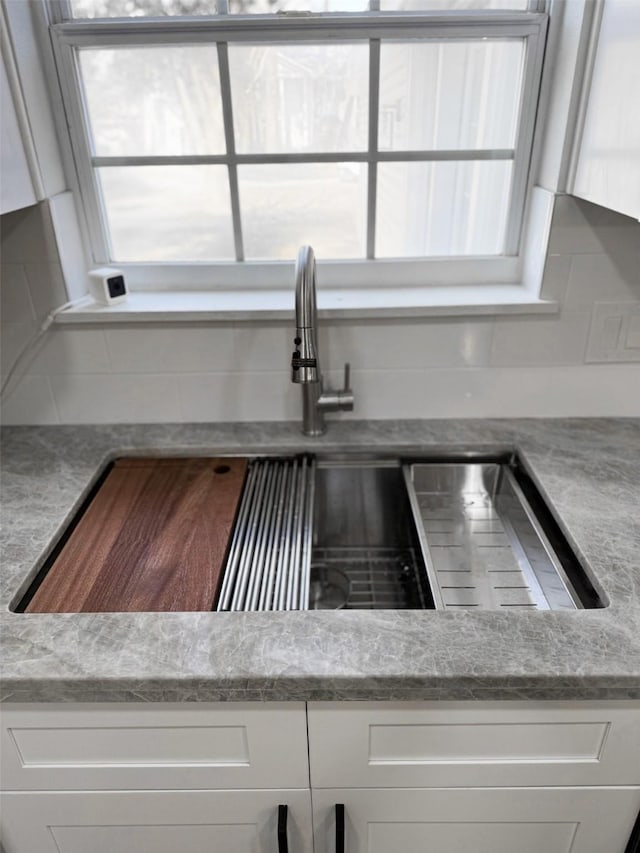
{"x": 449, "y": 95}
{"x": 299, "y": 98}
{"x": 153, "y": 101}
{"x": 261, "y": 7}
{"x": 323, "y": 204}
{"x": 139, "y": 8}
{"x": 168, "y": 213}
{"x": 445, "y": 208}
{"x": 452, "y": 5}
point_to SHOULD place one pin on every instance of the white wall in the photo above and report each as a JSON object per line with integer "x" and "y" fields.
{"x": 475, "y": 367}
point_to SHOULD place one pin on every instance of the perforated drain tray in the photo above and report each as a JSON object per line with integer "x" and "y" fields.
{"x": 482, "y": 545}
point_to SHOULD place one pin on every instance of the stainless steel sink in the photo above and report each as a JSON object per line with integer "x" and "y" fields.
{"x": 403, "y": 534}
{"x": 363, "y": 526}
{"x": 366, "y": 532}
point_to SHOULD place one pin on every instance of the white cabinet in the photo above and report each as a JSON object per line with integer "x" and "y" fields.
{"x": 16, "y": 186}
{"x": 168, "y": 777}
{"x": 154, "y": 822}
{"x": 478, "y": 820}
{"x": 608, "y": 168}
{"x": 494, "y": 777}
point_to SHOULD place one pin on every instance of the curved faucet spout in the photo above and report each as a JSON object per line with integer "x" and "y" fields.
{"x": 305, "y": 367}
{"x": 305, "y": 361}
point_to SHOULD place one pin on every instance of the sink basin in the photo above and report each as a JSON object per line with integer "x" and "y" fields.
{"x": 402, "y": 534}
{"x": 363, "y": 526}
{"x": 313, "y": 532}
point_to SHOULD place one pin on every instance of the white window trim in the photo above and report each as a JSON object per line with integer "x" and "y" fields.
{"x": 277, "y": 301}
{"x": 519, "y": 293}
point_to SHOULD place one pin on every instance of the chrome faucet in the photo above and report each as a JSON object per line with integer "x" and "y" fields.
{"x": 305, "y": 361}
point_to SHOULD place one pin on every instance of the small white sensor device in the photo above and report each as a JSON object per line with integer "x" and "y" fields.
{"x": 107, "y": 286}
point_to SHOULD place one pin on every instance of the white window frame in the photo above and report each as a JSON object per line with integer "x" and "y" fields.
{"x": 508, "y": 269}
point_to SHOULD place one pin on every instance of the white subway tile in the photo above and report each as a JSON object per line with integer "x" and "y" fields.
{"x": 556, "y": 277}
{"x": 264, "y": 347}
{"x": 412, "y": 344}
{"x": 103, "y": 398}
{"x": 595, "y": 390}
{"x": 46, "y": 286}
{"x": 388, "y": 393}
{"x": 499, "y": 392}
{"x": 598, "y": 278}
{"x": 30, "y": 401}
{"x": 580, "y": 227}
{"x": 565, "y": 391}
{"x": 540, "y": 341}
{"x": 239, "y": 397}
{"x": 28, "y": 237}
{"x": 71, "y": 350}
{"x": 170, "y": 349}
{"x": 15, "y": 300}
{"x": 14, "y": 337}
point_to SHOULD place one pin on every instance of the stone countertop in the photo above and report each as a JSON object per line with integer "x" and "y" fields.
{"x": 587, "y": 469}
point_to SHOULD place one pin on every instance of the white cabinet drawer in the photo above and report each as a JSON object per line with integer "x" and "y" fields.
{"x": 420, "y": 744}
{"x": 154, "y": 821}
{"x": 204, "y": 745}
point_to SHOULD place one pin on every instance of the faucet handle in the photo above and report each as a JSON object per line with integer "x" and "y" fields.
{"x": 347, "y": 377}
{"x": 336, "y": 401}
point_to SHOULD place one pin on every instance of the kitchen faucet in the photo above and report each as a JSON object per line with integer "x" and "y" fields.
{"x": 305, "y": 361}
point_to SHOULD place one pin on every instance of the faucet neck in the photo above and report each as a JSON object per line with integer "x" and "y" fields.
{"x": 312, "y": 415}
{"x": 305, "y": 362}
{"x": 306, "y": 288}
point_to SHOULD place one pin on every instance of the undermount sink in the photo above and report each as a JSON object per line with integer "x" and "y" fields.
{"x": 358, "y": 533}
{"x": 364, "y": 527}
{"x": 312, "y": 532}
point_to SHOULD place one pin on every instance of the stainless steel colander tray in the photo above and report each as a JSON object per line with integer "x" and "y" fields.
{"x": 482, "y": 544}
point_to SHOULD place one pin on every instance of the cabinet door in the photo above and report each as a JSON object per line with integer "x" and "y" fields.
{"x": 608, "y": 171}
{"x": 161, "y": 822}
{"x": 16, "y": 187}
{"x": 487, "y": 820}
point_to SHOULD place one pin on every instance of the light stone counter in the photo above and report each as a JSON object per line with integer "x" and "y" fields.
{"x": 588, "y": 470}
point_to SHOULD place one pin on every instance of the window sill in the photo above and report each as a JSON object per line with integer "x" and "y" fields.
{"x": 261, "y": 305}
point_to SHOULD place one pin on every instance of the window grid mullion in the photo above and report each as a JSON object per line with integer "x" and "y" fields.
{"x": 313, "y": 157}
{"x": 227, "y": 114}
{"x": 372, "y": 178}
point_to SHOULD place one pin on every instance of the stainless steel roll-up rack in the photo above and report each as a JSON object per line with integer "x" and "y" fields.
{"x": 269, "y": 561}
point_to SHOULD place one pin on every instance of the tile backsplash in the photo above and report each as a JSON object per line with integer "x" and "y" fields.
{"x": 511, "y": 366}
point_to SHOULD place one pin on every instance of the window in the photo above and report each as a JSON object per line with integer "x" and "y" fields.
{"x": 210, "y": 142}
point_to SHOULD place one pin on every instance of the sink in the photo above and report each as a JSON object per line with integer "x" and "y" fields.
{"x": 363, "y": 526}
{"x": 398, "y": 533}
{"x": 308, "y": 531}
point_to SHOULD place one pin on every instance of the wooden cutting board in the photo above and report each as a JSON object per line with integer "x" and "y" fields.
{"x": 154, "y": 538}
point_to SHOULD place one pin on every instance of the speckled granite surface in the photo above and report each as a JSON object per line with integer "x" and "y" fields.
{"x": 589, "y": 471}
